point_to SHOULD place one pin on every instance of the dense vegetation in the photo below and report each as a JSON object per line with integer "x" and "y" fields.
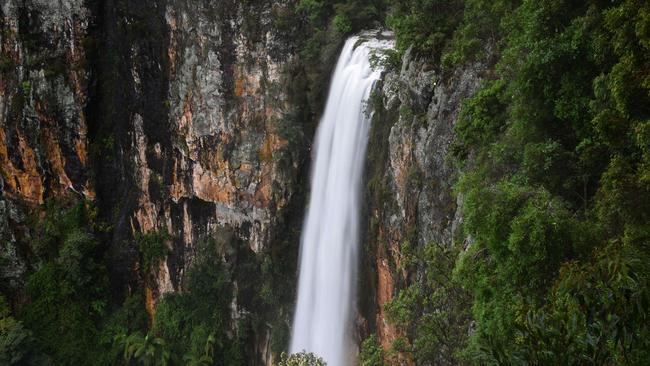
{"x": 554, "y": 152}
{"x": 70, "y": 317}
{"x": 561, "y": 227}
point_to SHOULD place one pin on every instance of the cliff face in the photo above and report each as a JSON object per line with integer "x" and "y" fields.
{"x": 195, "y": 121}
{"x": 43, "y": 125}
{"x": 197, "y": 147}
{"x": 175, "y": 109}
{"x": 411, "y": 176}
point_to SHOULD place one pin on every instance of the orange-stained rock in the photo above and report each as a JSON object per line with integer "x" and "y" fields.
{"x": 26, "y": 183}
{"x": 208, "y": 187}
{"x": 385, "y": 287}
{"x": 150, "y": 304}
{"x": 56, "y": 161}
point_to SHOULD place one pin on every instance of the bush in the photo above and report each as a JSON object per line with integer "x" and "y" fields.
{"x": 372, "y": 354}
{"x": 6, "y": 63}
{"x": 301, "y": 359}
{"x": 188, "y": 321}
{"x": 67, "y": 295}
{"x": 16, "y": 343}
{"x": 342, "y": 24}
{"x": 153, "y": 248}
{"x": 434, "y": 312}
{"x": 424, "y": 25}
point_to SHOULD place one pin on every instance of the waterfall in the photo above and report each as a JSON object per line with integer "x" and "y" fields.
{"x": 329, "y": 243}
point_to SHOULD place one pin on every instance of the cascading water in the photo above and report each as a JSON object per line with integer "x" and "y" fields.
{"x": 328, "y": 254}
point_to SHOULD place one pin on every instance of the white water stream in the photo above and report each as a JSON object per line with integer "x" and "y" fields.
{"x": 329, "y": 246}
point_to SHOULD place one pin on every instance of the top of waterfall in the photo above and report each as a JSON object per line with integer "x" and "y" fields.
{"x": 379, "y": 34}
{"x": 377, "y": 42}
{"x": 376, "y": 39}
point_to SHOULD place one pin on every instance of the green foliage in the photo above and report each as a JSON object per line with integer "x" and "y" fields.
{"x": 153, "y": 248}
{"x": 557, "y": 146}
{"x": 63, "y": 312}
{"x": 202, "y": 357}
{"x": 300, "y": 359}
{"x": 26, "y": 88}
{"x": 130, "y": 317}
{"x": 372, "y": 353}
{"x": 51, "y": 229}
{"x": 400, "y": 309}
{"x": 147, "y": 350}
{"x": 288, "y": 127}
{"x": 555, "y": 152}
{"x": 342, "y": 24}
{"x": 480, "y": 32}
{"x": 329, "y": 21}
{"x": 67, "y": 292}
{"x": 434, "y": 311}
{"x": 16, "y": 343}
{"x": 388, "y": 60}
{"x": 481, "y": 119}
{"x": 5, "y": 311}
{"x": 424, "y": 25}
{"x": 284, "y": 20}
{"x": 70, "y": 317}
{"x": 56, "y": 66}
{"x": 195, "y": 323}
{"x": 595, "y": 314}
{"x": 345, "y": 16}
{"x": 314, "y": 9}
{"x": 6, "y": 63}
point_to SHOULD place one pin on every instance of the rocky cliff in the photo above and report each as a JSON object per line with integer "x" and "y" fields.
{"x": 411, "y": 200}
{"x": 172, "y": 116}
{"x": 198, "y": 146}
{"x": 43, "y": 125}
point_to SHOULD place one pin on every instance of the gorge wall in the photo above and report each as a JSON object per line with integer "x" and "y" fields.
{"x": 195, "y": 120}
{"x": 172, "y": 117}
{"x": 411, "y": 203}
{"x": 43, "y": 99}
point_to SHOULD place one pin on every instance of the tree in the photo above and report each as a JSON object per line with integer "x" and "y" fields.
{"x": 147, "y": 350}
{"x": 301, "y": 359}
{"x": 204, "y": 358}
{"x": 15, "y": 342}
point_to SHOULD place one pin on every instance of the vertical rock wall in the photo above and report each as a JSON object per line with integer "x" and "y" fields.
{"x": 189, "y": 99}
{"x": 43, "y": 124}
{"x": 167, "y": 114}
{"x": 411, "y": 202}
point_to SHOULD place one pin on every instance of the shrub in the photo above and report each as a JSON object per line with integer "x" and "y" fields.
{"x": 153, "y": 248}
{"x": 300, "y": 359}
{"x": 372, "y": 354}
{"x": 67, "y": 294}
